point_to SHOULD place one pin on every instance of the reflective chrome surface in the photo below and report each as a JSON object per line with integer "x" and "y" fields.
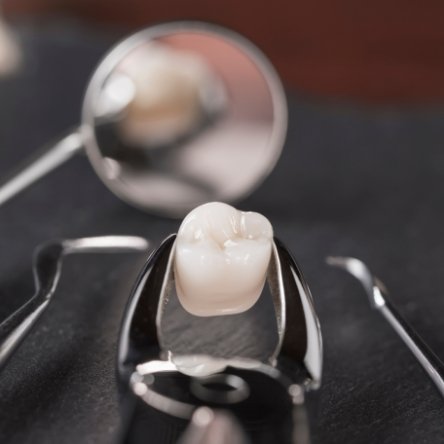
{"x": 295, "y": 365}
{"x": 47, "y": 268}
{"x": 37, "y": 167}
{"x": 378, "y": 298}
{"x": 174, "y": 116}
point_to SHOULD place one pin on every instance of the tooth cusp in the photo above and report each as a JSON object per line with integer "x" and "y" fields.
{"x": 221, "y": 259}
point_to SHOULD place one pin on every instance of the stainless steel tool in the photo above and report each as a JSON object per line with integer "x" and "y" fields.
{"x": 293, "y": 368}
{"x": 47, "y": 268}
{"x": 379, "y": 300}
{"x": 174, "y": 116}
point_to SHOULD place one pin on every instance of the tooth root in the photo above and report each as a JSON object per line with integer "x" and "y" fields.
{"x": 221, "y": 259}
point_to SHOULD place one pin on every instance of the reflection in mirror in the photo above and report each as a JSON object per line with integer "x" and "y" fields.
{"x": 185, "y": 116}
{"x": 174, "y": 116}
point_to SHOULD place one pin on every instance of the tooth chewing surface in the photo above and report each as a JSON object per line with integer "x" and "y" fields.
{"x": 221, "y": 259}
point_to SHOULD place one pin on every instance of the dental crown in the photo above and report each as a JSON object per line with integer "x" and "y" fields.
{"x": 221, "y": 259}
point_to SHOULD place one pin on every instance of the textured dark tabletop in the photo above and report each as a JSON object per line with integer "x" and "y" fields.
{"x": 351, "y": 181}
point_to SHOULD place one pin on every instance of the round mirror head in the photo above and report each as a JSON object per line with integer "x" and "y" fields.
{"x": 181, "y": 114}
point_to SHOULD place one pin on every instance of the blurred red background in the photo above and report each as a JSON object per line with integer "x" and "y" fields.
{"x": 381, "y": 51}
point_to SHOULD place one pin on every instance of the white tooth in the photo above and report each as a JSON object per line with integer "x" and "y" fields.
{"x": 221, "y": 259}
{"x": 199, "y": 365}
{"x": 172, "y": 91}
{"x": 205, "y": 365}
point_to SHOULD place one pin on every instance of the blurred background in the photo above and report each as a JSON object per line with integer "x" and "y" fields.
{"x": 381, "y": 51}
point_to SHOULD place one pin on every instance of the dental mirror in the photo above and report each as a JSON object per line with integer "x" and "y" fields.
{"x": 174, "y": 116}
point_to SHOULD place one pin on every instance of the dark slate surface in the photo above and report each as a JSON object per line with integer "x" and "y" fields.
{"x": 352, "y": 181}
